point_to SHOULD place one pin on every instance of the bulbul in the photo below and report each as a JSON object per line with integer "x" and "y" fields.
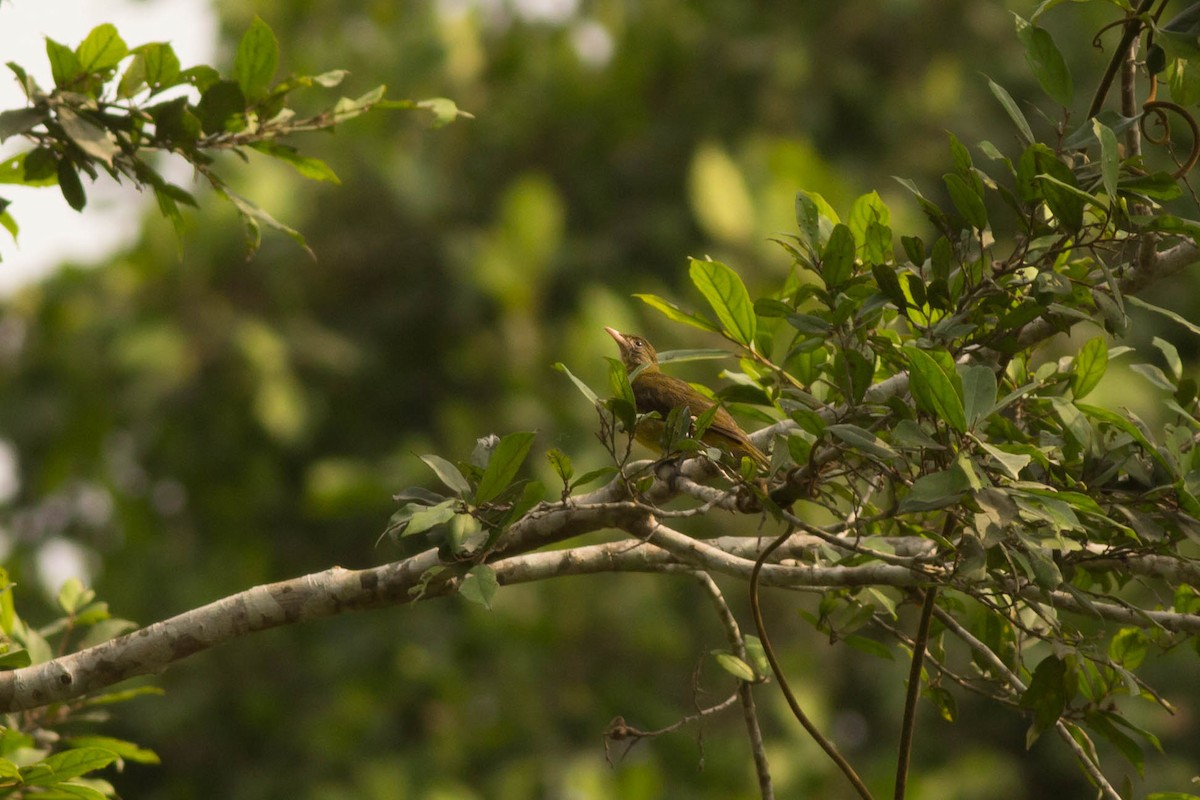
{"x": 654, "y": 390}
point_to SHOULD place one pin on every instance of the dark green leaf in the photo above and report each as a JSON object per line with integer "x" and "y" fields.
{"x": 70, "y": 185}
{"x": 15, "y": 659}
{"x": 933, "y": 390}
{"x": 1046, "y": 695}
{"x": 502, "y": 467}
{"x": 966, "y": 200}
{"x": 889, "y": 284}
{"x": 838, "y": 259}
{"x": 1088, "y": 367}
{"x": 676, "y": 314}
{"x": 728, "y": 297}
{"x": 256, "y": 60}
{"x": 221, "y": 108}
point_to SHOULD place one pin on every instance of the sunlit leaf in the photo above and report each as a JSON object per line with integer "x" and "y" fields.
{"x": 1088, "y": 367}
{"x": 256, "y": 60}
{"x": 727, "y": 296}
{"x": 502, "y": 467}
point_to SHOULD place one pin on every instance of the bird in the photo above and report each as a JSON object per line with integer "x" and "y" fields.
{"x": 654, "y": 390}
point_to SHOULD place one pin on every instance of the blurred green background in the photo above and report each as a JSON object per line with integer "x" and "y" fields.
{"x": 197, "y": 424}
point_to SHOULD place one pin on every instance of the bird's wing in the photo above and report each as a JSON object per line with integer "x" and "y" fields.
{"x": 669, "y": 392}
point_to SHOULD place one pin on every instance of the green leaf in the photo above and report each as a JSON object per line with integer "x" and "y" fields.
{"x": 92, "y": 139}
{"x": 254, "y": 217}
{"x": 15, "y": 659}
{"x": 126, "y": 750}
{"x": 221, "y": 107}
{"x": 933, "y": 390}
{"x": 735, "y": 666}
{"x": 1011, "y": 463}
{"x": 444, "y": 110}
{"x": 862, "y": 439}
{"x": 727, "y": 295}
{"x": 18, "y": 121}
{"x": 1171, "y": 354}
{"x": 1013, "y": 111}
{"x": 102, "y": 49}
{"x": 580, "y": 385}
{"x": 1046, "y": 695}
{"x": 838, "y": 259}
{"x": 594, "y": 475}
{"x": 311, "y": 168}
{"x": 1166, "y": 312}
{"x": 699, "y": 354}
{"x": 70, "y": 185}
{"x": 1128, "y": 647}
{"x": 870, "y": 646}
{"x": 448, "y": 474}
{"x": 966, "y": 200}
{"x": 256, "y": 60}
{"x": 1046, "y": 61}
{"x": 1088, "y": 367}
{"x": 936, "y": 490}
{"x": 160, "y": 65}
{"x": 676, "y": 314}
{"x": 561, "y": 464}
{"x": 66, "y": 765}
{"x": 480, "y": 586}
{"x": 502, "y": 467}
{"x": 1110, "y": 157}
{"x": 979, "y": 393}
{"x": 72, "y": 596}
{"x": 64, "y": 64}
{"x": 424, "y": 518}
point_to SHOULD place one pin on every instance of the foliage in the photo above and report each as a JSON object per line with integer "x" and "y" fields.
{"x": 288, "y": 398}
{"x": 1038, "y": 509}
{"x": 113, "y": 109}
{"x": 42, "y": 752}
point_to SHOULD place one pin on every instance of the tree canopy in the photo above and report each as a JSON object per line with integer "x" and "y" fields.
{"x": 975, "y": 384}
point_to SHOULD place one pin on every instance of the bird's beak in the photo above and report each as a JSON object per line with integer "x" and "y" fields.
{"x": 617, "y": 337}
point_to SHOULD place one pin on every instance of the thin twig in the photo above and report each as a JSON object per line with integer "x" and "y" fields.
{"x": 761, "y": 768}
{"x": 1002, "y": 669}
{"x": 769, "y": 649}
{"x": 914, "y": 691}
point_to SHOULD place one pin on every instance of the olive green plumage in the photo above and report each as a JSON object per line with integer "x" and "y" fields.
{"x": 654, "y": 390}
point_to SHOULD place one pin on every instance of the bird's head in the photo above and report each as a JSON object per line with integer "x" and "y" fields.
{"x": 635, "y": 351}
